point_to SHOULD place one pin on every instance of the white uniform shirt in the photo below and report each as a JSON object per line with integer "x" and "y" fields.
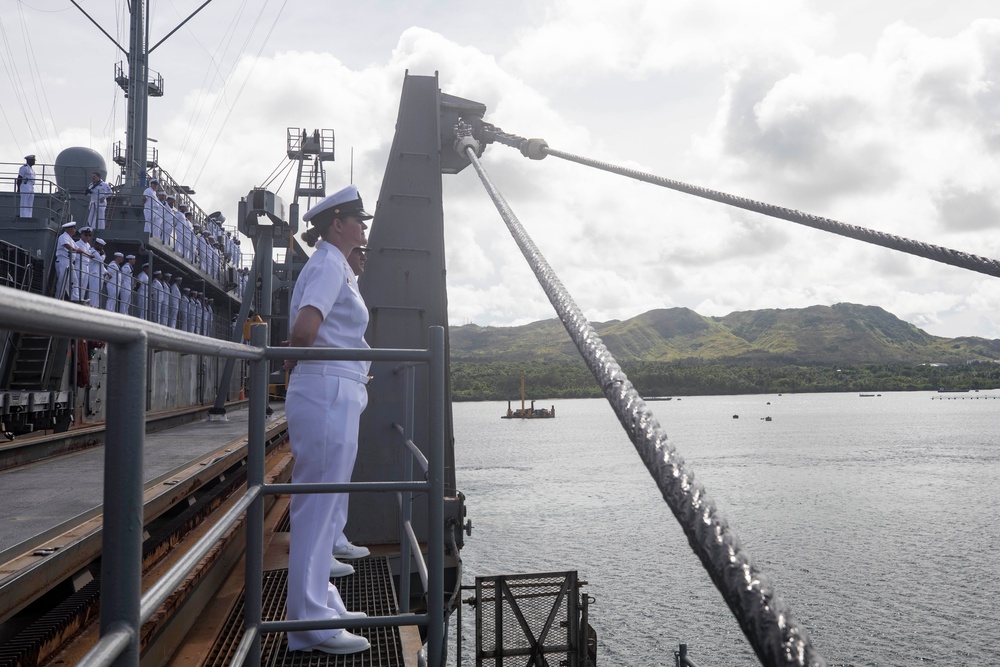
{"x": 327, "y": 284}
{"x": 147, "y": 207}
{"x": 99, "y": 192}
{"x": 63, "y": 254}
{"x": 27, "y": 175}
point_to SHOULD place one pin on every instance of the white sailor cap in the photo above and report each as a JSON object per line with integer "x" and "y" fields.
{"x": 182, "y": 207}
{"x": 167, "y": 275}
{"x": 171, "y": 197}
{"x": 154, "y": 180}
{"x": 344, "y": 202}
{"x": 145, "y": 265}
{"x": 99, "y": 241}
{"x": 161, "y": 193}
{"x": 119, "y": 254}
{"x": 157, "y": 273}
{"x": 178, "y": 277}
{"x": 69, "y": 224}
{"x": 129, "y": 256}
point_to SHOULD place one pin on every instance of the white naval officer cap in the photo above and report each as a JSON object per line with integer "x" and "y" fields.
{"x": 344, "y": 202}
{"x": 85, "y": 230}
{"x": 67, "y": 225}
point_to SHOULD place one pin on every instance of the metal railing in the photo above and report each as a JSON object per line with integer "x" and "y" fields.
{"x": 123, "y": 606}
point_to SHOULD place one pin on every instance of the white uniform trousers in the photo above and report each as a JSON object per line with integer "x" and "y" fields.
{"x": 125, "y": 294}
{"x": 323, "y": 412}
{"x": 79, "y": 282}
{"x": 63, "y": 276}
{"x": 94, "y": 281}
{"x": 142, "y": 296}
{"x": 27, "y": 201}
{"x": 111, "y": 290}
{"x": 96, "y": 214}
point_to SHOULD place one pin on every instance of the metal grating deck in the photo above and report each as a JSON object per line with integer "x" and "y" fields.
{"x": 369, "y": 589}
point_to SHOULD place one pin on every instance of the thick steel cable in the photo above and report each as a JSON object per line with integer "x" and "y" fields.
{"x": 765, "y": 619}
{"x": 937, "y": 253}
{"x": 537, "y": 149}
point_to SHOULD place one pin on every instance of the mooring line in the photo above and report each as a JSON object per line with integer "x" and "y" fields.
{"x": 765, "y": 618}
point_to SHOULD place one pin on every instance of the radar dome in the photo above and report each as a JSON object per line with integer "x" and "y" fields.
{"x": 74, "y": 166}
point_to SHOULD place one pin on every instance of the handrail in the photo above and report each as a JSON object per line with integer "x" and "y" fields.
{"x": 432, "y": 570}
{"x": 409, "y": 444}
{"x": 175, "y": 576}
{"x": 123, "y": 607}
{"x": 36, "y": 314}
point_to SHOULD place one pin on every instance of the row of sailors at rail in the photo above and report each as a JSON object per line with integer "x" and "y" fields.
{"x": 83, "y": 276}
{"x": 210, "y": 248}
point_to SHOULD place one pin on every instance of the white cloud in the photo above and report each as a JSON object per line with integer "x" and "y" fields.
{"x": 753, "y": 98}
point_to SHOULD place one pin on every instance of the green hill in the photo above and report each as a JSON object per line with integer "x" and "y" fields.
{"x": 676, "y": 351}
{"x": 841, "y": 334}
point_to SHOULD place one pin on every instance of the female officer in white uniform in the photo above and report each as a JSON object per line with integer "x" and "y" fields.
{"x": 323, "y": 406}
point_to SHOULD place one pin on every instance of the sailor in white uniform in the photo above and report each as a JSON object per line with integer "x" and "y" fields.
{"x": 199, "y": 316}
{"x": 182, "y": 230}
{"x": 175, "y": 301}
{"x": 185, "y": 310}
{"x": 112, "y": 281}
{"x": 148, "y": 203}
{"x": 142, "y": 293}
{"x": 127, "y": 285}
{"x": 81, "y": 263}
{"x": 96, "y": 272}
{"x": 169, "y": 221}
{"x": 66, "y": 248}
{"x": 99, "y": 192}
{"x": 189, "y": 249}
{"x": 159, "y": 303}
{"x": 25, "y": 184}
{"x": 323, "y": 407}
{"x": 159, "y": 215}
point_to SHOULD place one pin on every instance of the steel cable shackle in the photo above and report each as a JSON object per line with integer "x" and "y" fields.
{"x": 764, "y": 617}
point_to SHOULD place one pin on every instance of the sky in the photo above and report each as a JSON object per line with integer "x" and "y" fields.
{"x": 884, "y": 115}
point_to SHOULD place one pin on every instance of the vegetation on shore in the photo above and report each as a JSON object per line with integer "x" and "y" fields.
{"x": 501, "y": 380}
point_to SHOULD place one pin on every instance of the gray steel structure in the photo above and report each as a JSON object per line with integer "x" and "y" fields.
{"x": 405, "y": 289}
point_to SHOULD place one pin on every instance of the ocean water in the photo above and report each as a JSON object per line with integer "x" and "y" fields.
{"x": 877, "y": 519}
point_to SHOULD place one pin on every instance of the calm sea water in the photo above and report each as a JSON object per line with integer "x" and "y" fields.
{"x": 878, "y": 520}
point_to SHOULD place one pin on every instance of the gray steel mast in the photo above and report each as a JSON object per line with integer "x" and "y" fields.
{"x": 138, "y": 108}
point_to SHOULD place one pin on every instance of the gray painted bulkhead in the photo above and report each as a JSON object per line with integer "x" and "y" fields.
{"x": 405, "y": 290}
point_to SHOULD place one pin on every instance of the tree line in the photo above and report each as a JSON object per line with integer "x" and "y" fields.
{"x": 501, "y": 380}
